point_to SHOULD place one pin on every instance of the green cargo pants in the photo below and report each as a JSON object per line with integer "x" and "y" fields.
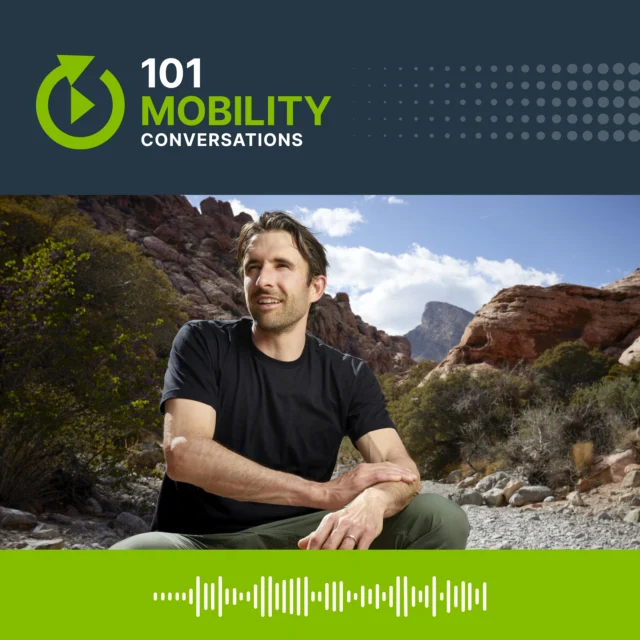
{"x": 429, "y": 521}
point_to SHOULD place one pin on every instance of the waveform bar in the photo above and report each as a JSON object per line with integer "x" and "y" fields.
{"x": 292, "y": 597}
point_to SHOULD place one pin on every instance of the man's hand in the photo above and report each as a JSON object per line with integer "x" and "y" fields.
{"x": 355, "y": 526}
{"x": 345, "y": 488}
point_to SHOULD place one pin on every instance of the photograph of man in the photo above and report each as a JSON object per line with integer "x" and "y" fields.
{"x": 255, "y": 410}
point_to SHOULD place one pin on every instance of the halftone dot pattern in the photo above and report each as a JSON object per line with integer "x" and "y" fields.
{"x": 572, "y": 101}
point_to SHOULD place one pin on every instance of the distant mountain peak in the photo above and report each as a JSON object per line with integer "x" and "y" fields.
{"x": 441, "y": 329}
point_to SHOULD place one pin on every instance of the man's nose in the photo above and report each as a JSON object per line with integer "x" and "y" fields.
{"x": 265, "y": 277}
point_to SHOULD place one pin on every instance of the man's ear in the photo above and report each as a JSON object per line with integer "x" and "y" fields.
{"x": 317, "y": 288}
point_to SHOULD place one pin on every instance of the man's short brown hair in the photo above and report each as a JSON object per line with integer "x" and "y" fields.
{"x": 304, "y": 240}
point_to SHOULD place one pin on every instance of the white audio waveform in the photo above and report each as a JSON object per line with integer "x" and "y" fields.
{"x": 293, "y": 596}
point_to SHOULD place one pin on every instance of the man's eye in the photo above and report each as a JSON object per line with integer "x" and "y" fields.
{"x": 283, "y": 266}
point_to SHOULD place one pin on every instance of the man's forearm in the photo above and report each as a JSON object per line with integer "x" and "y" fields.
{"x": 395, "y": 496}
{"x": 216, "y": 469}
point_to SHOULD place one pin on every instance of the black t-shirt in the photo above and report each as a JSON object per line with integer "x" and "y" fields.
{"x": 288, "y": 416}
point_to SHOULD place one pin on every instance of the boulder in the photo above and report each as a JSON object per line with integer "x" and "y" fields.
{"x": 16, "y": 519}
{"x": 611, "y": 468}
{"x": 131, "y": 524}
{"x": 468, "y": 482}
{"x": 511, "y": 488}
{"x": 633, "y": 516}
{"x": 529, "y": 495}
{"x": 632, "y": 479}
{"x": 494, "y": 497}
{"x": 490, "y": 481}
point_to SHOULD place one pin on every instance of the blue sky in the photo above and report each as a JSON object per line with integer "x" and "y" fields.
{"x": 394, "y": 253}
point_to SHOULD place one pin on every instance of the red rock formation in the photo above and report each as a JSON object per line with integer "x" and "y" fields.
{"x": 196, "y": 251}
{"x": 521, "y": 322}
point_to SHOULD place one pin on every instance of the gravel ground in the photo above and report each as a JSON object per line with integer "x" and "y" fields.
{"x": 552, "y": 526}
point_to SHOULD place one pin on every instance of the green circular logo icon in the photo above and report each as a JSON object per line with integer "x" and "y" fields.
{"x": 71, "y": 68}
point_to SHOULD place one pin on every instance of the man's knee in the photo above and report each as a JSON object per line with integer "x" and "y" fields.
{"x": 437, "y": 523}
{"x": 154, "y": 540}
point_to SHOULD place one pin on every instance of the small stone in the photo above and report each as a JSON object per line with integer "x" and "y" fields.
{"x": 627, "y": 497}
{"x": 60, "y": 519}
{"x": 575, "y": 499}
{"x": 80, "y": 547}
{"x": 468, "y": 482}
{"x": 494, "y": 497}
{"x": 534, "y": 517}
{"x": 635, "y": 501}
{"x": 95, "y": 545}
{"x": 633, "y": 516}
{"x": 529, "y": 495}
{"x": 504, "y": 546}
{"x": 632, "y": 479}
{"x": 56, "y": 543}
{"x": 549, "y": 499}
{"x": 133, "y": 524}
{"x": 586, "y": 484}
{"x": 41, "y": 532}
{"x": 604, "y": 515}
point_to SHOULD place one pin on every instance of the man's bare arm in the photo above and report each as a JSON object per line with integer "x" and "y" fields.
{"x": 193, "y": 457}
{"x": 384, "y": 445}
{"x": 360, "y": 522}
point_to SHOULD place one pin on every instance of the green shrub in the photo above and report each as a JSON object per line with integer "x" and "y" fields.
{"x": 79, "y": 365}
{"x": 570, "y": 366}
{"x": 459, "y": 418}
{"x": 543, "y": 436}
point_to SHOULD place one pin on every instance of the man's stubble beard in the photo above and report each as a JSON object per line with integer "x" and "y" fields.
{"x": 278, "y": 320}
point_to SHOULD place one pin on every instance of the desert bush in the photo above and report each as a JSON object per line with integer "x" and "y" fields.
{"x": 459, "y": 418}
{"x": 568, "y": 367}
{"x": 542, "y": 439}
{"x": 78, "y": 372}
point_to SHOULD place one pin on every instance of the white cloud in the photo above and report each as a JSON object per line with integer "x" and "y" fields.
{"x": 367, "y": 198}
{"x": 396, "y": 200}
{"x": 237, "y": 207}
{"x": 390, "y": 291}
{"x": 334, "y": 222}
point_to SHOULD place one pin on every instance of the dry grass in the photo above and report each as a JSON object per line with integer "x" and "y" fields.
{"x": 582, "y": 455}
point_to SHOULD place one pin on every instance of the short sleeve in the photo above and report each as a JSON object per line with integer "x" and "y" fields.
{"x": 367, "y": 409}
{"x": 192, "y": 370}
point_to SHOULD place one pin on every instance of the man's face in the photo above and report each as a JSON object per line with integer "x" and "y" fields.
{"x": 275, "y": 281}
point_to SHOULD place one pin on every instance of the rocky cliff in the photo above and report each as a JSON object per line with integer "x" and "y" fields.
{"x": 441, "y": 328}
{"x": 196, "y": 251}
{"x": 521, "y": 322}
